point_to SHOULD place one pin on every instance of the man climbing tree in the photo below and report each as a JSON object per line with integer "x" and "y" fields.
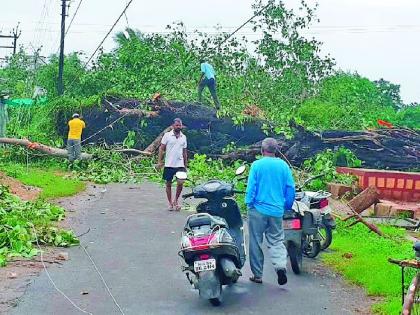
{"x": 74, "y": 145}
{"x": 208, "y": 78}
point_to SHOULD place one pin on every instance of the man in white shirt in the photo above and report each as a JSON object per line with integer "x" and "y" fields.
{"x": 174, "y": 147}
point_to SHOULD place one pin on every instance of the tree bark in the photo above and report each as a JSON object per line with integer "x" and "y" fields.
{"x": 154, "y": 146}
{"x": 42, "y": 148}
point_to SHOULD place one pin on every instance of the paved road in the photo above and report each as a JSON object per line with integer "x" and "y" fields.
{"x": 134, "y": 241}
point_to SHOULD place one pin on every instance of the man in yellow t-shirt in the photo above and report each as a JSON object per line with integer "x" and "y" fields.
{"x": 74, "y": 145}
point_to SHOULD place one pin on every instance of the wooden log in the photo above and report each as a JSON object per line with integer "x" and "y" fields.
{"x": 364, "y": 200}
{"x": 137, "y": 112}
{"x": 42, "y": 148}
{"x": 154, "y": 146}
{"x": 410, "y": 297}
{"x": 134, "y": 152}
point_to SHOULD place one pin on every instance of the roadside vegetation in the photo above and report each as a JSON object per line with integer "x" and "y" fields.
{"x": 24, "y": 224}
{"x": 54, "y": 182}
{"x": 362, "y": 258}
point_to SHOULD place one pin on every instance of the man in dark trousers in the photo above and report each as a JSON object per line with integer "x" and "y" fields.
{"x": 270, "y": 191}
{"x": 174, "y": 147}
{"x": 74, "y": 143}
{"x": 4, "y": 118}
{"x": 208, "y": 79}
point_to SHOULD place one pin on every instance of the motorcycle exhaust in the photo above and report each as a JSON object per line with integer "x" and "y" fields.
{"x": 229, "y": 269}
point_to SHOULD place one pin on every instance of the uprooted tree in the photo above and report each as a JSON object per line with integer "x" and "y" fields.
{"x": 109, "y": 124}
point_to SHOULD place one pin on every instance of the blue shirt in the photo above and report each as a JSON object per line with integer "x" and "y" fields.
{"x": 271, "y": 188}
{"x": 208, "y": 70}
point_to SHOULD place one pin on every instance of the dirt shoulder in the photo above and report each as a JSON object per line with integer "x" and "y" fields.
{"x": 24, "y": 192}
{"x": 18, "y": 274}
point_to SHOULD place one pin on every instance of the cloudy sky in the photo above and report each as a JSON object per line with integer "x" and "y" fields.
{"x": 376, "y": 38}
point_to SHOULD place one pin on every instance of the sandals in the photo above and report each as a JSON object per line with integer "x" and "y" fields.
{"x": 256, "y": 279}
{"x": 174, "y": 208}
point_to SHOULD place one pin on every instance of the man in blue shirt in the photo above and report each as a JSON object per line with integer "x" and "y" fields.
{"x": 208, "y": 78}
{"x": 270, "y": 191}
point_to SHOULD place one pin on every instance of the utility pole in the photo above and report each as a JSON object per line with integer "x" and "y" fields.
{"x": 60, "y": 85}
{"x": 15, "y": 35}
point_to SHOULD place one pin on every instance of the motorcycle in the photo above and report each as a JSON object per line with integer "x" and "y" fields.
{"x": 301, "y": 236}
{"x": 318, "y": 200}
{"x": 213, "y": 240}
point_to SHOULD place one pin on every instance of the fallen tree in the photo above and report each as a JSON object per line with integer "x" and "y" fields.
{"x": 42, "y": 148}
{"x": 397, "y": 149}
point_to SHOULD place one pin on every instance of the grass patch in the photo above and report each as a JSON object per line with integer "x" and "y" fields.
{"x": 362, "y": 256}
{"x": 52, "y": 181}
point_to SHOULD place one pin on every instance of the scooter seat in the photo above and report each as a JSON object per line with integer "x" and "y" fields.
{"x": 199, "y": 221}
{"x": 206, "y": 220}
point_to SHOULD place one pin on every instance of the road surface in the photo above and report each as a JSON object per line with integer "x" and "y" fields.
{"x": 134, "y": 241}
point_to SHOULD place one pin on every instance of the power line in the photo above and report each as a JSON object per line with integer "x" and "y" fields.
{"x": 245, "y": 23}
{"x": 107, "y": 34}
{"x": 74, "y": 15}
{"x": 103, "y": 40}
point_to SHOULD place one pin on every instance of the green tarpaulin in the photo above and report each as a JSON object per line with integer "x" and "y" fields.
{"x": 25, "y": 101}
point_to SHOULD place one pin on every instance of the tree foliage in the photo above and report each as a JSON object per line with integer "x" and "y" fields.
{"x": 283, "y": 73}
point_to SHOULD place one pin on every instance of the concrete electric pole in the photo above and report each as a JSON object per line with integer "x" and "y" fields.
{"x": 60, "y": 84}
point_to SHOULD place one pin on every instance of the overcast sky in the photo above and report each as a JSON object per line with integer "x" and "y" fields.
{"x": 376, "y": 38}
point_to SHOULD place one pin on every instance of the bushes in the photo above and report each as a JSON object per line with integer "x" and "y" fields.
{"x": 409, "y": 116}
{"x": 348, "y": 102}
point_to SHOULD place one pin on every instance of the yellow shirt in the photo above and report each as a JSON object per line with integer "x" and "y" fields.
{"x": 76, "y": 126}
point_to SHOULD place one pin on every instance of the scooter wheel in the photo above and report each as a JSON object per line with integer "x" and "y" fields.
{"x": 295, "y": 258}
{"x": 215, "y": 301}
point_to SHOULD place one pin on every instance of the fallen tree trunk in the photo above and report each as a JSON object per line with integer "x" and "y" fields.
{"x": 397, "y": 149}
{"x": 42, "y": 148}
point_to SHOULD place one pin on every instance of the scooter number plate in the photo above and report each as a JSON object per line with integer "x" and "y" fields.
{"x": 204, "y": 265}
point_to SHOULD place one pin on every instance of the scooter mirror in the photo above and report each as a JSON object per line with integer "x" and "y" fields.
{"x": 240, "y": 170}
{"x": 181, "y": 175}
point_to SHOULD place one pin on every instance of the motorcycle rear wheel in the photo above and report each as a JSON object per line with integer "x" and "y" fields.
{"x": 295, "y": 258}
{"x": 311, "y": 247}
{"x": 325, "y": 234}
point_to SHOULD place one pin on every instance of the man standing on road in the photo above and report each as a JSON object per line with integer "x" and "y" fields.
{"x": 208, "y": 78}
{"x": 4, "y": 118}
{"x": 270, "y": 191}
{"x": 74, "y": 145}
{"x": 174, "y": 147}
